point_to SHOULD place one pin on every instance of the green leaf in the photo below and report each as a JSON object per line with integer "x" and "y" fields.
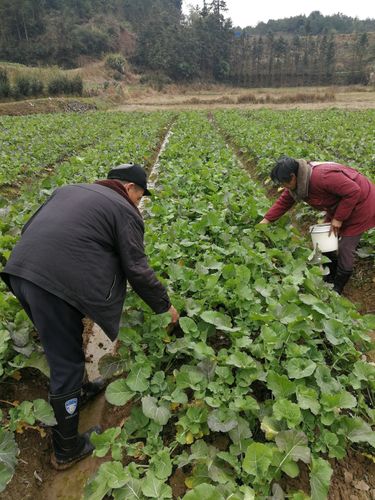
{"x": 21, "y": 336}
{"x": 161, "y": 464}
{"x": 8, "y": 457}
{"x": 131, "y": 491}
{"x": 299, "y": 495}
{"x": 271, "y": 427}
{"x": 307, "y": 398}
{"x": 4, "y": 340}
{"x": 137, "y": 379}
{"x": 118, "y": 392}
{"x": 44, "y": 412}
{"x": 104, "y": 440}
{"x": 325, "y": 380}
{"x": 284, "y": 409}
{"x": 363, "y": 371}
{"x": 160, "y": 414}
{"x": 204, "y": 491}
{"x": 249, "y": 493}
{"x": 241, "y": 431}
{"x": 309, "y": 299}
{"x": 300, "y": 368}
{"x": 188, "y": 326}
{"x": 96, "y": 489}
{"x": 294, "y": 444}
{"x": 222, "y": 420}
{"x": 114, "y": 474}
{"x": 341, "y": 399}
{"x": 289, "y": 467}
{"x": 357, "y": 431}
{"x": 110, "y": 365}
{"x": 189, "y": 376}
{"x": 241, "y": 360}
{"x": 280, "y": 385}
{"x": 152, "y": 487}
{"x": 320, "y": 478}
{"x": 335, "y": 331}
{"x": 136, "y": 423}
{"x": 36, "y": 360}
{"x": 6, "y": 475}
{"x": 220, "y": 320}
{"x": 258, "y": 459}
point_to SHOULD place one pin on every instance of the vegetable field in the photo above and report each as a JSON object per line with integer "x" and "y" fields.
{"x": 267, "y": 375}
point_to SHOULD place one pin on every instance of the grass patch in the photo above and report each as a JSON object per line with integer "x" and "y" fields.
{"x": 286, "y": 98}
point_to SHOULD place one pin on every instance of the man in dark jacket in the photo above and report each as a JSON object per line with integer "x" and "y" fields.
{"x": 347, "y": 197}
{"x": 74, "y": 258}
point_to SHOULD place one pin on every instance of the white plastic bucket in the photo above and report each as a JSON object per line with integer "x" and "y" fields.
{"x": 321, "y": 239}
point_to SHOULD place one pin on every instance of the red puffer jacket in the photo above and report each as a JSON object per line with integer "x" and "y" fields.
{"x": 344, "y": 193}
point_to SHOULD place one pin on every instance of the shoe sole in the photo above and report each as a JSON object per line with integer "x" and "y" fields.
{"x": 66, "y": 465}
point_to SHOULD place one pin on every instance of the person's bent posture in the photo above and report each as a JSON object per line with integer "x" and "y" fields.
{"x": 347, "y": 197}
{"x": 74, "y": 258}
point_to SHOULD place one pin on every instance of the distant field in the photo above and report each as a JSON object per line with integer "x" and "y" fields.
{"x": 183, "y": 98}
{"x": 128, "y": 95}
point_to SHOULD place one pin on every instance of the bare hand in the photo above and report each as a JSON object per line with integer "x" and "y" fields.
{"x": 264, "y": 221}
{"x": 335, "y": 227}
{"x": 174, "y": 315}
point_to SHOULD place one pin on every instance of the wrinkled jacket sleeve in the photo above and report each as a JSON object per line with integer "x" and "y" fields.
{"x": 141, "y": 277}
{"x": 346, "y": 189}
{"x": 280, "y": 207}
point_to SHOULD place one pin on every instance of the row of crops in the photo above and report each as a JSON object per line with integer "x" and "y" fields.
{"x": 336, "y": 135}
{"x": 30, "y": 144}
{"x": 265, "y": 370}
{"x": 120, "y": 140}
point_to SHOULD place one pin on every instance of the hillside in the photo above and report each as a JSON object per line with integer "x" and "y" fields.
{"x": 159, "y": 42}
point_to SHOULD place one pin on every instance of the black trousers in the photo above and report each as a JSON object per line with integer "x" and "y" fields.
{"x": 346, "y": 254}
{"x": 60, "y": 329}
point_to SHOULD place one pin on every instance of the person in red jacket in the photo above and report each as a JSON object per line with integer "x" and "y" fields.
{"x": 347, "y": 197}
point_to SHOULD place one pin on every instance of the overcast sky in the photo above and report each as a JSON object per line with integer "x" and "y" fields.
{"x": 248, "y": 13}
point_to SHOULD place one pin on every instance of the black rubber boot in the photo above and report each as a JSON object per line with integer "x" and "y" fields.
{"x": 341, "y": 279}
{"x": 68, "y": 445}
{"x": 91, "y": 389}
{"x": 332, "y": 266}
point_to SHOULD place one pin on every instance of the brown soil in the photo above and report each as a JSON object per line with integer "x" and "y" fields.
{"x": 46, "y": 105}
{"x": 361, "y": 287}
{"x": 34, "y": 476}
{"x": 353, "y": 479}
{"x": 32, "y": 467}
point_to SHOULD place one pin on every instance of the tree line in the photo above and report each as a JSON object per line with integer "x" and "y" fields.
{"x": 202, "y": 45}
{"x": 270, "y": 60}
{"x": 313, "y": 24}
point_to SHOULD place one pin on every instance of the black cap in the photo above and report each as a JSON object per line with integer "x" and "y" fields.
{"x": 132, "y": 173}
